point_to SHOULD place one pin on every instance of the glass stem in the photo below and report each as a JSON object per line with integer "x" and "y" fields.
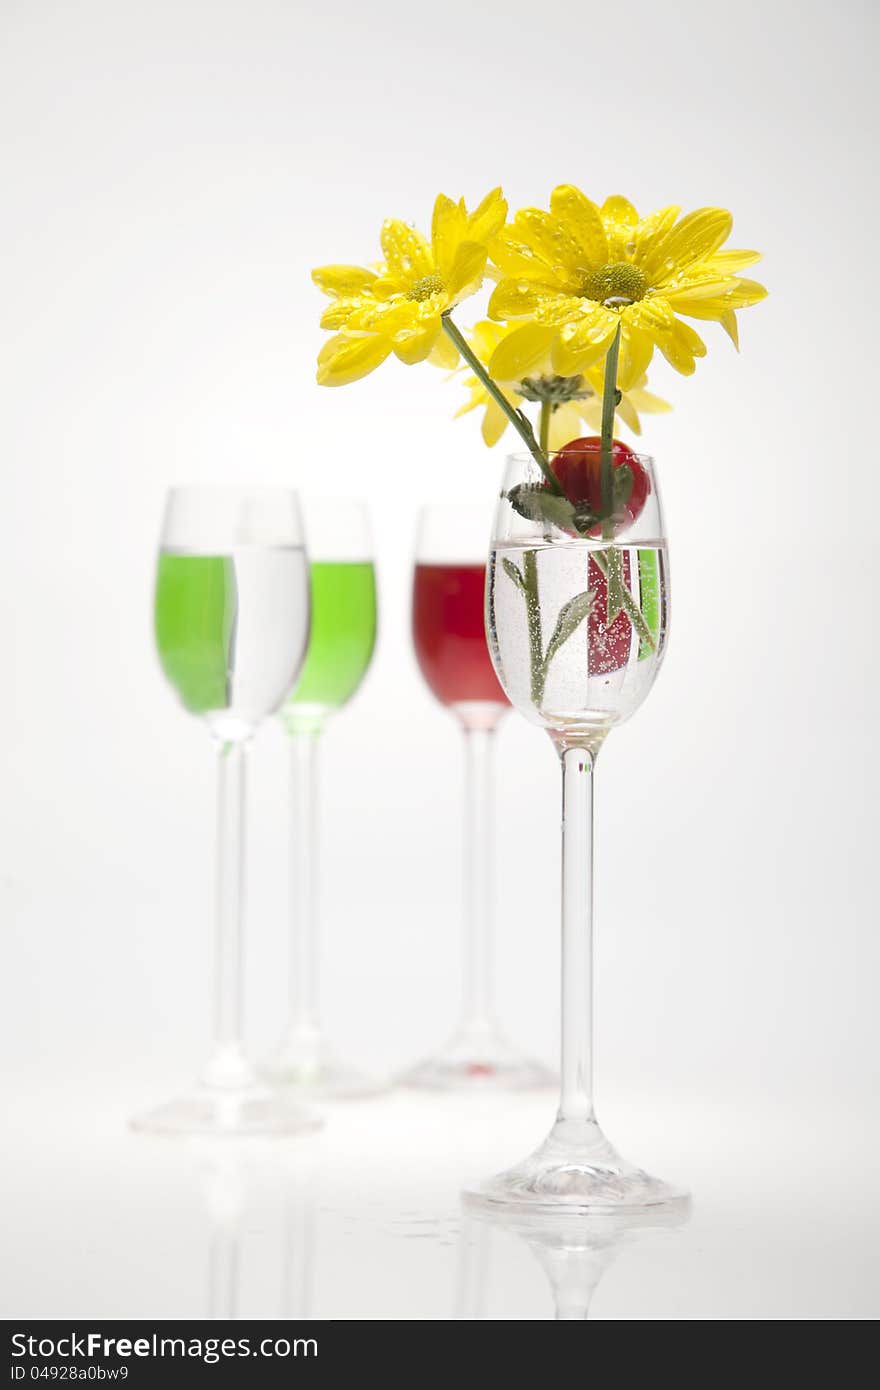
{"x": 304, "y": 881}
{"x": 478, "y": 877}
{"x": 228, "y": 1066}
{"x": 576, "y": 1101}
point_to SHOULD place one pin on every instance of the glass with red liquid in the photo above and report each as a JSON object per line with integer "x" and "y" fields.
{"x": 449, "y": 635}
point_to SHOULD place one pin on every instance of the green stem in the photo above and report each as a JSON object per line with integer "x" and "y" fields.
{"x": 519, "y": 422}
{"x": 533, "y": 622}
{"x": 609, "y": 405}
{"x": 630, "y": 607}
{"x": 546, "y": 415}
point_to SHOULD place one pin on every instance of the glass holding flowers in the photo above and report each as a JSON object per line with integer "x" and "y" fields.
{"x": 577, "y": 586}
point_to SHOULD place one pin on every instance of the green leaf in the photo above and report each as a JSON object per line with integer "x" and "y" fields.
{"x": 617, "y": 590}
{"x": 512, "y": 572}
{"x": 571, "y": 616}
{"x": 537, "y": 503}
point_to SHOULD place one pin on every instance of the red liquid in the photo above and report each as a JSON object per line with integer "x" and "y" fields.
{"x": 450, "y": 636}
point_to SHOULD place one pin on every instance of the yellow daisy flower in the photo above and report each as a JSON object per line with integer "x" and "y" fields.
{"x": 399, "y": 306}
{"x": 578, "y": 272}
{"x": 580, "y": 397}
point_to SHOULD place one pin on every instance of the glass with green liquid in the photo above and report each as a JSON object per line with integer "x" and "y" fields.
{"x": 231, "y": 622}
{"x": 340, "y": 645}
{"x": 341, "y": 642}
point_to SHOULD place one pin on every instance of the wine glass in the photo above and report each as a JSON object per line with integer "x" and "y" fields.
{"x": 231, "y": 626}
{"x": 449, "y": 634}
{"x": 343, "y": 636}
{"x": 577, "y": 629}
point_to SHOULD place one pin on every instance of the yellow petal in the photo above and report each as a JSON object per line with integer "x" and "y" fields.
{"x": 448, "y": 227}
{"x": 650, "y": 233}
{"x": 387, "y": 286}
{"x": 675, "y": 339}
{"x": 627, "y": 412}
{"x": 651, "y": 316}
{"x": 383, "y": 317}
{"x": 485, "y": 338}
{"x": 584, "y": 341}
{"x": 494, "y": 424}
{"x": 648, "y": 402}
{"x": 478, "y": 396}
{"x": 343, "y": 279}
{"x": 591, "y": 411}
{"x": 583, "y": 219}
{"x": 690, "y": 289}
{"x": 488, "y": 217}
{"x": 636, "y": 351}
{"x": 680, "y": 345}
{"x": 343, "y": 359}
{"x": 565, "y": 425}
{"x": 444, "y": 354}
{"x": 731, "y": 327}
{"x": 516, "y": 258}
{"x": 513, "y": 299}
{"x": 746, "y": 292}
{"x": 406, "y": 251}
{"x": 555, "y": 243}
{"x": 620, "y": 219}
{"x": 466, "y": 272}
{"x": 695, "y": 238}
{"x": 414, "y": 345}
{"x": 337, "y": 314}
{"x": 742, "y": 294}
{"x": 731, "y": 261}
{"x": 521, "y": 352}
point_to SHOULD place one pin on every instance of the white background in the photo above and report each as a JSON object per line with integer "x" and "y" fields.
{"x": 170, "y": 174}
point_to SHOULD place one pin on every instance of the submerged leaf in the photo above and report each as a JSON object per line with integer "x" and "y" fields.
{"x": 512, "y": 572}
{"x": 537, "y": 503}
{"x": 571, "y": 615}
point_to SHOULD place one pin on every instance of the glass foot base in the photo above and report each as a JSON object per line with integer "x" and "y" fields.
{"x": 229, "y": 1102}
{"x": 477, "y": 1060}
{"x": 575, "y": 1172}
{"x": 305, "y": 1066}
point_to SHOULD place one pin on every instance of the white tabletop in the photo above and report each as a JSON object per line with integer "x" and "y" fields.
{"x": 364, "y": 1220}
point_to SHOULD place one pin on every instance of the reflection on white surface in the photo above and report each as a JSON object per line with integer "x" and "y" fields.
{"x": 223, "y": 1280}
{"x": 298, "y": 1260}
{"x": 472, "y": 1269}
{"x": 364, "y": 1220}
{"x": 573, "y": 1251}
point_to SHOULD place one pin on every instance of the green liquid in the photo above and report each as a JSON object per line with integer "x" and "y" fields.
{"x": 196, "y": 602}
{"x": 341, "y": 643}
{"x": 649, "y": 597}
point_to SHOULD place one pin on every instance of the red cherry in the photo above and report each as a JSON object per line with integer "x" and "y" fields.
{"x": 578, "y": 466}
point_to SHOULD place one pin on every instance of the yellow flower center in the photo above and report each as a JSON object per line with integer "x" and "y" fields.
{"x": 424, "y": 288}
{"x": 615, "y": 284}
